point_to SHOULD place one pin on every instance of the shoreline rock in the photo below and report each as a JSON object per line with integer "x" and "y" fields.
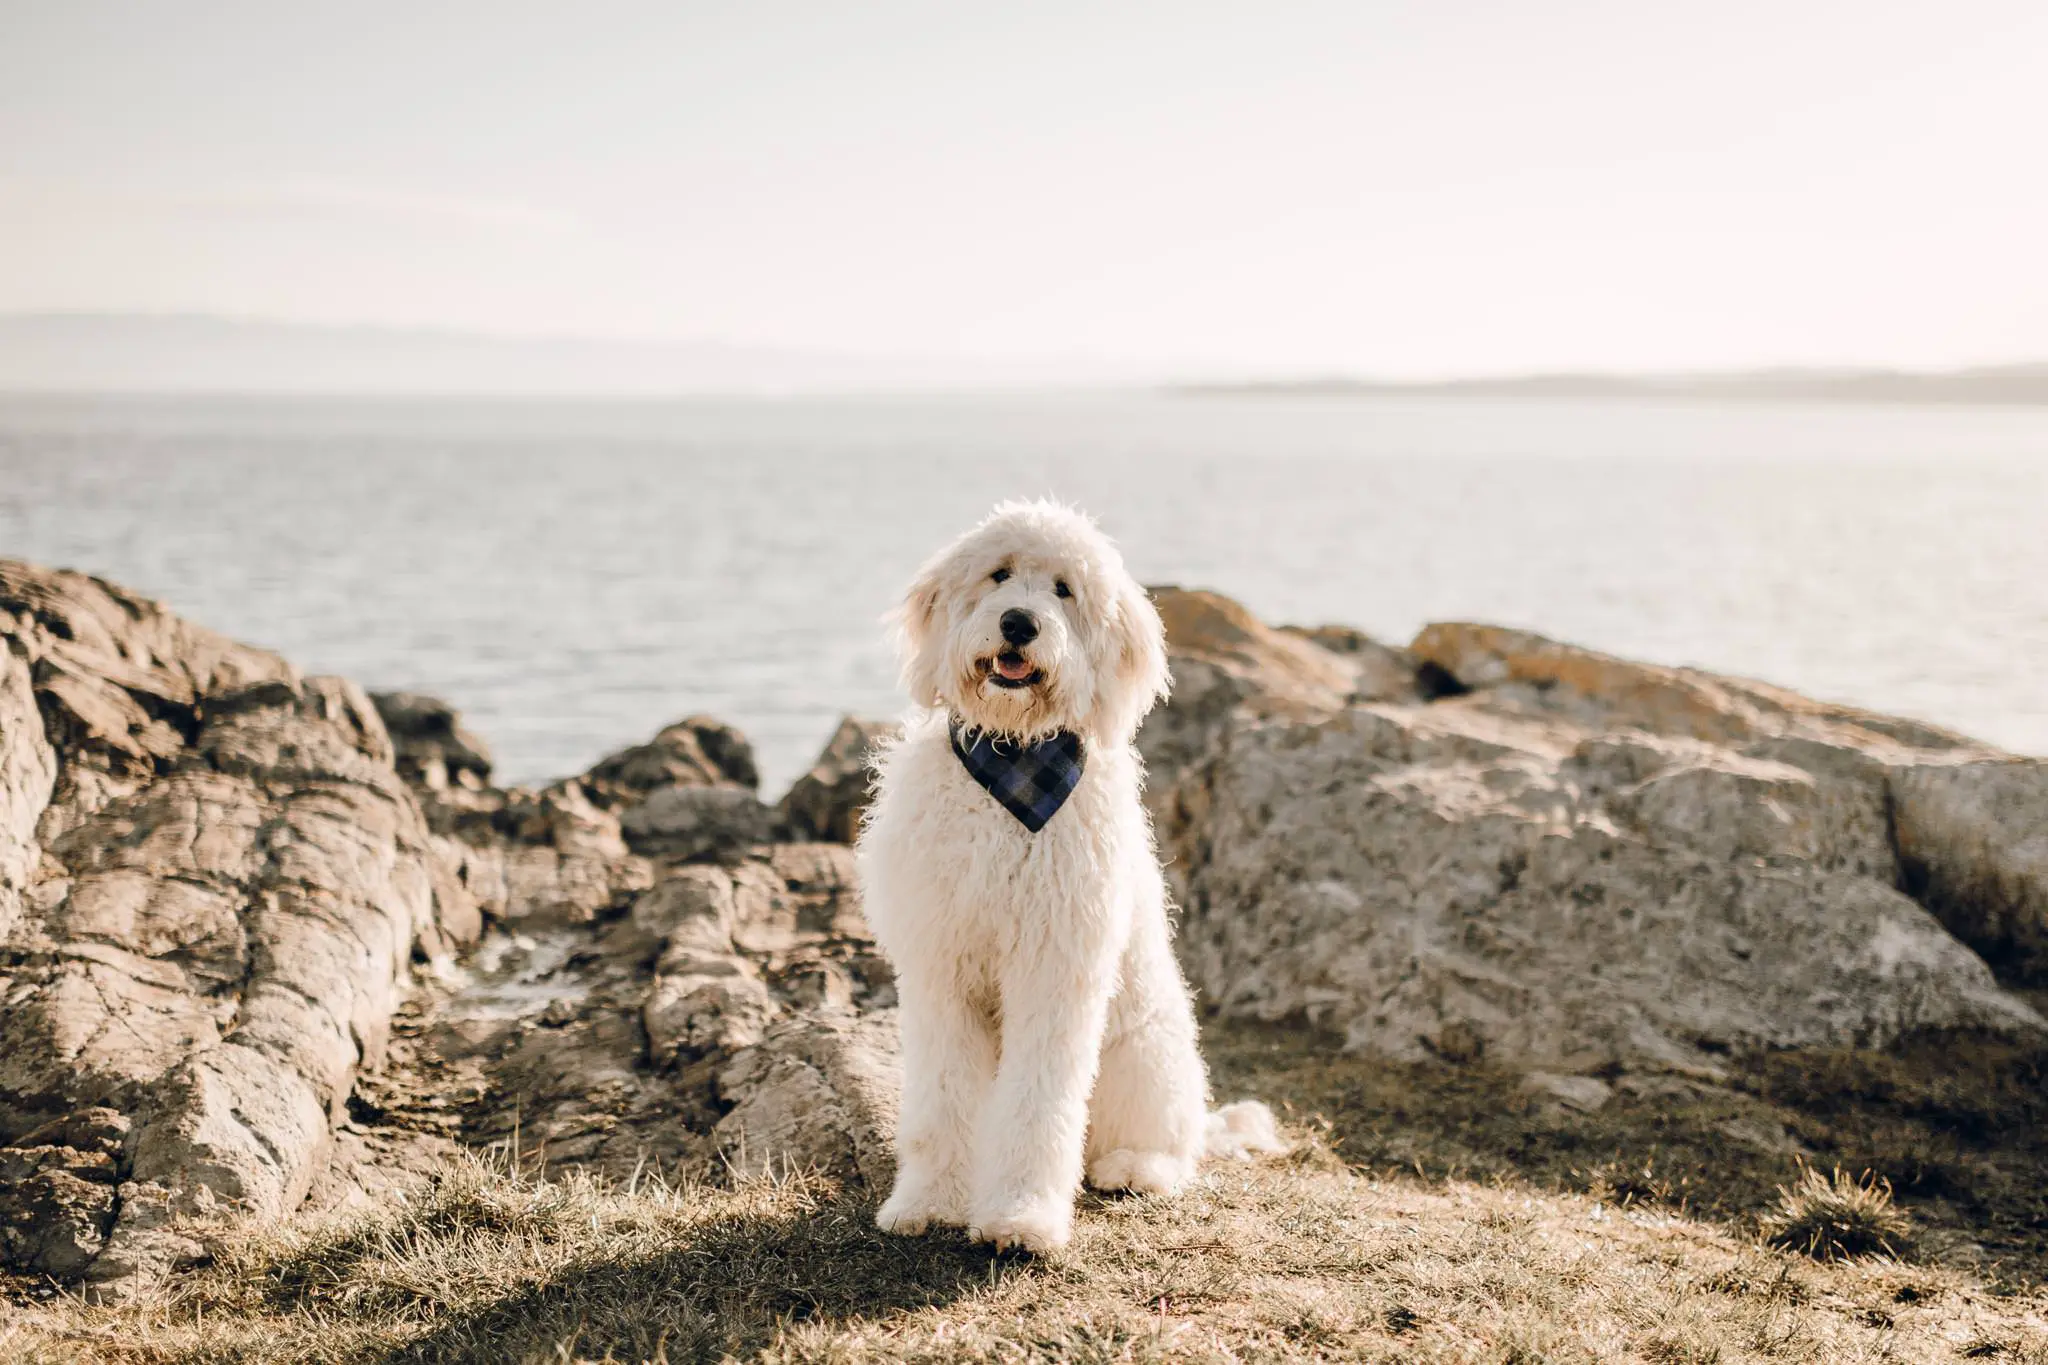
{"x": 269, "y": 943}
{"x": 1569, "y": 862}
{"x": 227, "y": 882}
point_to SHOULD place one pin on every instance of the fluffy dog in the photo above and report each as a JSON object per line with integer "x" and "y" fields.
{"x": 1009, "y": 874}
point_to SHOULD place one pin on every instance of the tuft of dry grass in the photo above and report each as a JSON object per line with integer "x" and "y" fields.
{"x": 1837, "y": 1217}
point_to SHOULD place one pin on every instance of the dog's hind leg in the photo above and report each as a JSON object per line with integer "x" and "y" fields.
{"x": 1147, "y": 1114}
{"x": 949, "y": 1060}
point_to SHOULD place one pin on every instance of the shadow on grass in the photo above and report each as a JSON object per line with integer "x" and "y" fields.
{"x": 726, "y": 1287}
{"x": 1952, "y": 1121}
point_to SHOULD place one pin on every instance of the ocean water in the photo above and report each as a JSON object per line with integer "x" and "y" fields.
{"x": 572, "y": 575}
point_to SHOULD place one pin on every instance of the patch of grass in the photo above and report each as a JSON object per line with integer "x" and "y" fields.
{"x": 1429, "y": 1213}
{"x": 1837, "y": 1217}
{"x": 1951, "y": 1121}
{"x": 1290, "y": 1260}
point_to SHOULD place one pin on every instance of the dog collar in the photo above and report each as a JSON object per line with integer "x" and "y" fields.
{"x": 1031, "y": 781}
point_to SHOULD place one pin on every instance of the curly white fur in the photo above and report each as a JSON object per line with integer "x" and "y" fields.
{"x": 1046, "y": 1028}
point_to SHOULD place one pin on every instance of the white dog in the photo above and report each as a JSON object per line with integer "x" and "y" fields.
{"x": 1009, "y": 873}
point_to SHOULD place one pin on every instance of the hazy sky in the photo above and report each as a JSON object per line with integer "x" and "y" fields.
{"x": 1428, "y": 187}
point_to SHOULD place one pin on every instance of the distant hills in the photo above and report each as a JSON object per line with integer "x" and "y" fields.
{"x": 2007, "y": 384}
{"x": 197, "y": 353}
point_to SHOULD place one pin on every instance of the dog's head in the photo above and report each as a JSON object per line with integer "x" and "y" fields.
{"x": 1029, "y": 624}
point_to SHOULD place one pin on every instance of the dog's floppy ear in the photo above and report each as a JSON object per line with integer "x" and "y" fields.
{"x": 1141, "y": 678}
{"x": 914, "y": 624}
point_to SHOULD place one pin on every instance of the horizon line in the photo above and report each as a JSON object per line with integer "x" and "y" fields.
{"x": 1247, "y": 377}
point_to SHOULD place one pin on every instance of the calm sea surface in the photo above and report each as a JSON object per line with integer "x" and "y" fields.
{"x": 573, "y": 575}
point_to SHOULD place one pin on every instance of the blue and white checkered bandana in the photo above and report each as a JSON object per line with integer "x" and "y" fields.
{"x": 1031, "y": 781}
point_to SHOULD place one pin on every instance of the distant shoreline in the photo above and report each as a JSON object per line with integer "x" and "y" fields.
{"x": 2004, "y": 385}
{"x": 201, "y": 355}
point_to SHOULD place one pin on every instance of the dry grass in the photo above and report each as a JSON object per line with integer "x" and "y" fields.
{"x": 1951, "y": 1123}
{"x": 1432, "y": 1214}
{"x": 1288, "y": 1261}
{"x": 1838, "y": 1217}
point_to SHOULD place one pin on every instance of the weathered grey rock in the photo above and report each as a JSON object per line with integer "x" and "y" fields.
{"x": 1228, "y": 664}
{"x": 1572, "y": 863}
{"x": 215, "y": 883}
{"x": 1587, "y": 1094}
{"x": 818, "y": 1092}
{"x": 692, "y": 822}
{"x": 1973, "y": 840}
{"x": 827, "y": 802}
{"x": 748, "y": 945}
{"x": 27, "y": 770}
{"x": 433, "y": 747}
{"x": 1384, "y": 672}
{"x": 695, "y": 752}
{"x": 60, "y": 1189}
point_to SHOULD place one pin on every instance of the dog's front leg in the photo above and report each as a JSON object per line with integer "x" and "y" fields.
{"x": 949, "y": 1059}
{"x": 1027, "y": 1166}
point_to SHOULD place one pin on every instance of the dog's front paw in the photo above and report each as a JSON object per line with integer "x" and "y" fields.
{"x": 1036, "y": 1230}
{"x": 909, "y": 1213}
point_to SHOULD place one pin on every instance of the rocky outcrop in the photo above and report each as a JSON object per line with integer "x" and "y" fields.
{"x": 268, "y": 943}
{"x": 818, "y": 1092}
{"x": 1972, "y": 840}
{"x": 1574, "y": 863}
{"x": 697, "y": 752}
{"x": 610, "y": 1042}
{"x": 827, "y": 802}
{"x": 1228, "y": 667}
{"x": 645, "y": 941}
{"x": 215, "y": 882}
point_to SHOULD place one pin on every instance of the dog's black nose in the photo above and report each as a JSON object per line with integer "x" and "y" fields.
{"x": 1020, "y": 627}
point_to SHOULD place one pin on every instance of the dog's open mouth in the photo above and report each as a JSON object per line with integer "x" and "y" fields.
{"x": 1011, "y": 669}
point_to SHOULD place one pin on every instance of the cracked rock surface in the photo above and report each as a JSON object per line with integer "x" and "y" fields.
{"x": 1576, "y": 863}
{"x": 212, "y": 882}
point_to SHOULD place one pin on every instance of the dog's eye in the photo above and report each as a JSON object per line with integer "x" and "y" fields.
{"x": 999, "y": 576}
{"x": 1060, "y": 588}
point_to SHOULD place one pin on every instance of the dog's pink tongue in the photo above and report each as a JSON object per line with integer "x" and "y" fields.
{"x": 1016, "y": 670}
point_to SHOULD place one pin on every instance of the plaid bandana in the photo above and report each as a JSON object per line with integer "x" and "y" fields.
{"x": 1031, "y": 781}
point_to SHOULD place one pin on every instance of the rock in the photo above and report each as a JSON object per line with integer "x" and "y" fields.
{"x": 28, "y": 769}
{"x": 1384, "y": 672}
{"x": 692, "y": 906}
{"x": 266, "y": 945}
{"x": 1522, "y": 669}
{"x": 1973, "y": 843}
{"x": 697, "y": 752}
{"x": 215, "y": 883}
{"x": 434, "y": 749}
{"x": 690, "y": 822}
{"x": 704, "y": 1005}
{"x": 818, "y": 1092}
{"x": 215, "y": 877}
{"x": 1571, "y": 863}
{"x": 1587, "y": 1094}
{"x": 58, "y": 1195}
{"x": 597, "y": 1040}
{"x": 1962, "y": 822}
{"x": 747, "y": 945}
{"x": 826, "y": 803}
{"x": 1227, "y": 664}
